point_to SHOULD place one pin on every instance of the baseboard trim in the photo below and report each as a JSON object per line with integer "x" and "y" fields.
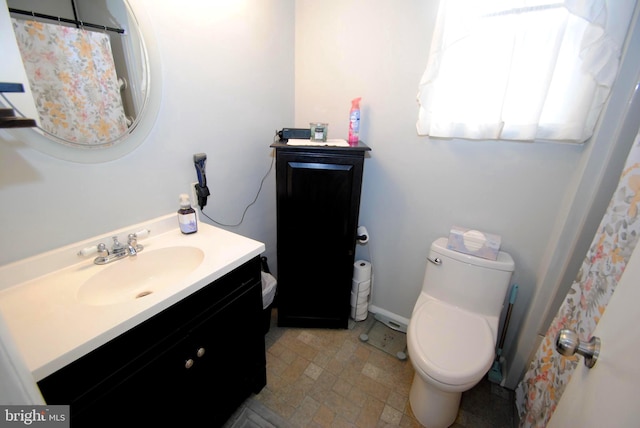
{"x": 383, "y": 313}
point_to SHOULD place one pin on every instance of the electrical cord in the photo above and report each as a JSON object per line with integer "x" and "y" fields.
{"x": 248, "y": 206}
{"x": 201, "y": 210}
{"x": 275, "y": 138}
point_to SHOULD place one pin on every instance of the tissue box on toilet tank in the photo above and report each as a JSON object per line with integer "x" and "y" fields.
{"x": 474, "y": 242}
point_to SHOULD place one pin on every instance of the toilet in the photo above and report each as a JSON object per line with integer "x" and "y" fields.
{"x": 453, "y": 328}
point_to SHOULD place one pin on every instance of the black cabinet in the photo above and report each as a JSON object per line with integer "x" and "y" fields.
{"x": 318, "y": 201}
{"x": 193, "y": 363}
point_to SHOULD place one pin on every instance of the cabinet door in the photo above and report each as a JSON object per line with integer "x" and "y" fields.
{"x": 318, "y": 203}
{"x": 228, "y": 352}
{"x": 157, "y": 393}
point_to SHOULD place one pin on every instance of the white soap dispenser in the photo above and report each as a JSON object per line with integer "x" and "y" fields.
{"x": 187, "y": 216}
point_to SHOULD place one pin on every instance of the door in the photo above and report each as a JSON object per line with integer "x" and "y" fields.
{"x": 607, "y": 394}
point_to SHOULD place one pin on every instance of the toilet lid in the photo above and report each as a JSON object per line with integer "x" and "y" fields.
{"x": 452, "y": 345}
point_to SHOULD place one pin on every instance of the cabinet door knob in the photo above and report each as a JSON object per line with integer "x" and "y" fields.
{"x": 200, "y": 352}
{"x": 188, "y": 364}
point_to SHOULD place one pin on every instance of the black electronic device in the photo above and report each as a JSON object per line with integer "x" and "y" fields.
{"x": 294, "y": 133}
{"x": 200, "y": 160}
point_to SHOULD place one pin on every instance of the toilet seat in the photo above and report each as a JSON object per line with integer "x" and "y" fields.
{"x": 450, "y": 345}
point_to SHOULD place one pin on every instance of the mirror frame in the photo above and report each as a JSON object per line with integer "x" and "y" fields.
{"x": 143, "y": 124}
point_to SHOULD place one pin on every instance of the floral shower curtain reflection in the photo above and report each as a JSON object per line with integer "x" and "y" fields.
{"x": 549, "y": 373}
{"x": 73, "y": 80}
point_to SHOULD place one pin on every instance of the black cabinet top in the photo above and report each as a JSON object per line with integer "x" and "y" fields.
{"x": 359, "y": 147}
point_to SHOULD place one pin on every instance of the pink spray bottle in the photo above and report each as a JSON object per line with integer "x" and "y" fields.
{"x": 354, "y": 122}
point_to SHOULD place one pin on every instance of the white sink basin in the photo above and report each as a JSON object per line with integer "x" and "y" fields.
{"x": 139, "y": 276}
{"x": 59, "y": 307}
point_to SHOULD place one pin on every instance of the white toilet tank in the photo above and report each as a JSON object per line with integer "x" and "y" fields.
{"x": 468, "y": 282}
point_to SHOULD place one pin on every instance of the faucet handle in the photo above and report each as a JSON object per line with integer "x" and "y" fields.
{"x": 101, "y": 249}
{"x": 87, "y": 251}
{"x": 142, "y": 233}
{"x": 133, "y": 239}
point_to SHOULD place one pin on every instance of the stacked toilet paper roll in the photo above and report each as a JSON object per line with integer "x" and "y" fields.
{"x": 360, "y": 290}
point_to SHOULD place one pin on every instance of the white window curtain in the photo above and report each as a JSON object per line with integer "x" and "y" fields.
{"x": 521, "y": 69}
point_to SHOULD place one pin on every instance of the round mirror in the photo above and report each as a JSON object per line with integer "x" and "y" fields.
{"x": 92, "y": 72}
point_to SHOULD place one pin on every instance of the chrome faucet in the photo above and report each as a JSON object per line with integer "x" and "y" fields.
{"x": 132, "y": 245}
{"x": 118, "y": 251}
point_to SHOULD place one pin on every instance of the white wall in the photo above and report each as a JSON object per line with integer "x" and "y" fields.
{"x": 228, "y": 82}
{"x": 227, "y": 77}
{"x": 416, "y": 188}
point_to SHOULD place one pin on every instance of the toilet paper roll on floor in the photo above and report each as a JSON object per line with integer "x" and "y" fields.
{"x": 359, "y": 314}
{"x": 361, "y": 270}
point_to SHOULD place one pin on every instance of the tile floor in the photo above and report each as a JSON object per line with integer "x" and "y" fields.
{"x": 329, "y": 378}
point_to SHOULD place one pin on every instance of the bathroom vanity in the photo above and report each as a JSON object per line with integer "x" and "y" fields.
{"x": 318, "y": 201}
{"x": 196, "y": 361}
{"x": 184, "y": 354}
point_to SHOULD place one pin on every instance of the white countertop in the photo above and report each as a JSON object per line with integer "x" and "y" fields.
{"x": 52, "y": 328}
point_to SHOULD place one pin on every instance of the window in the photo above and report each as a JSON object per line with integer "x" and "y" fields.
{"x": 521, "y": 70}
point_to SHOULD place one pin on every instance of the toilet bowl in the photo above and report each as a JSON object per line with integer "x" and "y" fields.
{"x": 452, "y": 332}
{"x": 451, "y": 350}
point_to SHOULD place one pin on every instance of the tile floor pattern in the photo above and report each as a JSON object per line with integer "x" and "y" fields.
{"x": 329, "y": 378}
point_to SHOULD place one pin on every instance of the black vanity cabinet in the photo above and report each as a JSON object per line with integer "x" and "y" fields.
{"x": 318, "y": 201}
{"x": 193, "y": 363}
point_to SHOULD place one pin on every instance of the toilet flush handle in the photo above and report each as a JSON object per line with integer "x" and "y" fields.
{"x": 568, "y": 343}
{"x": 436, "y": 261}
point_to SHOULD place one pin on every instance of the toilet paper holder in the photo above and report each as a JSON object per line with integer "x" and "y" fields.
{"x": 362, "y": 235}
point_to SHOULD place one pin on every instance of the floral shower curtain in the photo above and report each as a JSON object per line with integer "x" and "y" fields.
{"x": 540, "y": 390}
{"x": 73, "y": 80}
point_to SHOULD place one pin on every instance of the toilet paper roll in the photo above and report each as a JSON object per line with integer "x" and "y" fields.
{"x": 359, "y": 300}
{"x": 361, "y": 270}
{"x": 361, "y": 287}
{"x": 360, "y": 314}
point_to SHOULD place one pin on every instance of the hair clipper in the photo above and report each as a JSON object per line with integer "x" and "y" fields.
{"x": 200, "y": 160}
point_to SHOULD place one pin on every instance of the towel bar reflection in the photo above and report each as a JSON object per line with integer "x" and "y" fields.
{"x": 66, "y": 20}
